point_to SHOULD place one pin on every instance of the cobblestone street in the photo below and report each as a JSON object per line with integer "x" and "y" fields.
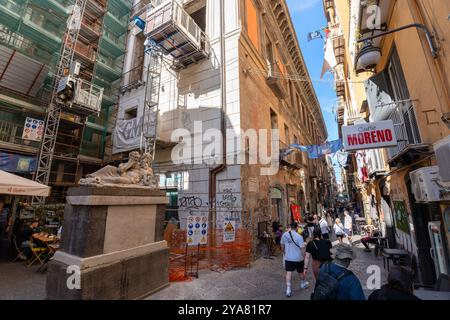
{"x": 264, "y": 281}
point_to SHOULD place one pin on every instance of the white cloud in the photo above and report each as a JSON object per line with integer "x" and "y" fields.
{"x": 302, "y": 5}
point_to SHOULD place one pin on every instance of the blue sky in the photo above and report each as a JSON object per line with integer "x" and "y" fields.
{"x": 308, "y": 15}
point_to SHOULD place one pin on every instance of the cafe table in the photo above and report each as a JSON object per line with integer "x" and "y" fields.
{"x": 432, "y": 295}
{"x": 394, "y": 255}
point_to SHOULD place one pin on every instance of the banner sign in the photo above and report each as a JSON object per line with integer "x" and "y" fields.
{"x": 197, "y": 230}
{"x": 33, "y": 129}
{"x": 295, "y": 209}
{"x": 372, "y": 135}
{"x": 229, "y": 231}
{"x": 15, "y": 163}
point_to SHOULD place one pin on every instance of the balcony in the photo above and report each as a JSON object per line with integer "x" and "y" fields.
{"x": 116, "y": 22}
{"x": 132, "y": 79}
{"x": 409, "y": 144}
{"x": 169, "y": 26}
{"x": 122, "y": 6}
{"x": 108, "y": 68}
{"x": 292, "y": 160}
{"x": 86, "y": 52}
{"x": 42, "y": 29}
{"x": 275, "y": 80}
{"x": 91, "y": 28}
{"x": 96, "y": 7}
{"x": 10, "y": 13}
{"x": 58, "y": 6}
{"x": 11, "y": 138}
{"x": 112, "y": 44}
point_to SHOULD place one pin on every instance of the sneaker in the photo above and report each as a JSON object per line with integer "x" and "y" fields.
{"x": 304, "y": 284}
{"x": 288, "y": 294}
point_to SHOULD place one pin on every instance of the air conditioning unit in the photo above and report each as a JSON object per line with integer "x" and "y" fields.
{"x": 442, "y": 151}
{"x": 427, "y": 185}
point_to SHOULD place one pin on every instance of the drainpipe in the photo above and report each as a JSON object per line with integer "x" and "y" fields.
{"x": 220, "y": 168}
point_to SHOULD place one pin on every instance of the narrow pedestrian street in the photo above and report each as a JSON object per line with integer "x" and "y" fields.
{"x": 264, "y": 281}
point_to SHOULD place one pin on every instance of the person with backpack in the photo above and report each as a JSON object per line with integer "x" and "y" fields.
{"x": 339, "y": 230}
{"x": 319, "y": 250}
{"x": 335, "y": 281}
{"x": 399, "y": 286}
{"x": 291, "y": 246}
{"x": 309, "y": 229}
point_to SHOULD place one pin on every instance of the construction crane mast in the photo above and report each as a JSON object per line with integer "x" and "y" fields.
{"x": 55, "y": 107}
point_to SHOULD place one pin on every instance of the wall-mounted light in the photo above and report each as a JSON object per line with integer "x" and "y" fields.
{"x": 368, "y": 57}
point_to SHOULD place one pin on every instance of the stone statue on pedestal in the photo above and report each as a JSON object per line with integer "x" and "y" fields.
{"x": 136, "y": 172}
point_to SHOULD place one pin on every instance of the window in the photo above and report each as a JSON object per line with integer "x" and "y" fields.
{"x": 131, "y": 113}
{"x": 286, "y": 134}
{"x": 273, "y": 119}
{"x": 199, "y": 17}
{"x": 269, "y": 50}
{"x": 252, "y": 22}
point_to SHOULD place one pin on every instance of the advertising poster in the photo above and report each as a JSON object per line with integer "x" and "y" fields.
{"x": 401, "y": 216}
{"x": 197, "y": 230}
{"x": 33, "y": 129}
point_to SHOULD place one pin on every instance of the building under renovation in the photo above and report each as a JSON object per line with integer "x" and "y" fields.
{"x": 233, "y": 65}
{"x": 32, "y": 35}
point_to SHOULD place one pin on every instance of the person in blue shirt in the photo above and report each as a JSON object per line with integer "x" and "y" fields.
{"x": 349, "y": 287}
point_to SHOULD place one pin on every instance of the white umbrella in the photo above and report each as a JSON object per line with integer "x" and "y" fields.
{"x": 15, "y": 185}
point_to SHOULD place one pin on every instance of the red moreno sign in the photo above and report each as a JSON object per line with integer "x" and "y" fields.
{"x": 372, "y": 135}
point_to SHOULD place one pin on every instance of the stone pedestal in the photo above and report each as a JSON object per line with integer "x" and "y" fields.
{"x": 114, "y": 236}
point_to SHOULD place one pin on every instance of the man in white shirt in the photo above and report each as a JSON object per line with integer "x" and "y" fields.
{"x": 348, "y": 225}
{"x": 291, "y": 245}
{"x": 323, "y": 223}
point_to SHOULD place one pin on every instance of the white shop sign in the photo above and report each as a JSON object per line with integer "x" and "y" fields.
{"x": 372, "y": 135}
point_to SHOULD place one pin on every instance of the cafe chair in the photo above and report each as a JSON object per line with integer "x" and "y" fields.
{"x": 37, "y": 252}
{"x": 20, "y": 249}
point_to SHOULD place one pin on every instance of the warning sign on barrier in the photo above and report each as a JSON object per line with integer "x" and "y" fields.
{"x": 229, "y": 231}
{"x": 197, "y": 230}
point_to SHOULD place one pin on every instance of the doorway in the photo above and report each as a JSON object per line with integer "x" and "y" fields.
{"x": 277, "y": 209}
{"x": 422, "y": 214}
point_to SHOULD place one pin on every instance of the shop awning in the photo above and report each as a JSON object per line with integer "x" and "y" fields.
{"x": 15, "y": 185}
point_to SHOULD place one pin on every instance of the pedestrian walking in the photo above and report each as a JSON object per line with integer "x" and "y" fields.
{"x": 348, "y": 226}
{"x": 335, "y": 281}
{"x": 309, "y": 229}
{"x": 399, "y": 286}
{"x": 339, "y": 230}
{"x": 278, "y": 235}
{"x": 291, "y": 245}
{"x": 319, "y": 250}
{"x": 323, "y": 224}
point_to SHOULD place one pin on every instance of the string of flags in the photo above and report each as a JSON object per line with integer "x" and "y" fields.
{"x": 315, "y": 151}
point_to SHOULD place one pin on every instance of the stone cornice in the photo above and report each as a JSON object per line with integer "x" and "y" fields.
{"x": 281, "y": 14}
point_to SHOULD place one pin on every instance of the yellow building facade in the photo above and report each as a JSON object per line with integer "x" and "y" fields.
{"x": 396, "y": 67}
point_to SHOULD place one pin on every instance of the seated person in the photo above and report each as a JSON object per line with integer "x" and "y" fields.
{"x": 372, "y": 238}
{"x": 24, "y": 239}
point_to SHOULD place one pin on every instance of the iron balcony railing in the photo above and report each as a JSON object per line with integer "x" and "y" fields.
{"x": 405, "y": 126}
{"x": 11, "y": 132}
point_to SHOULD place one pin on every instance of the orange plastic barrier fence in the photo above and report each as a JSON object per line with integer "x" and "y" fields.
{"x": 216, "y": 255}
